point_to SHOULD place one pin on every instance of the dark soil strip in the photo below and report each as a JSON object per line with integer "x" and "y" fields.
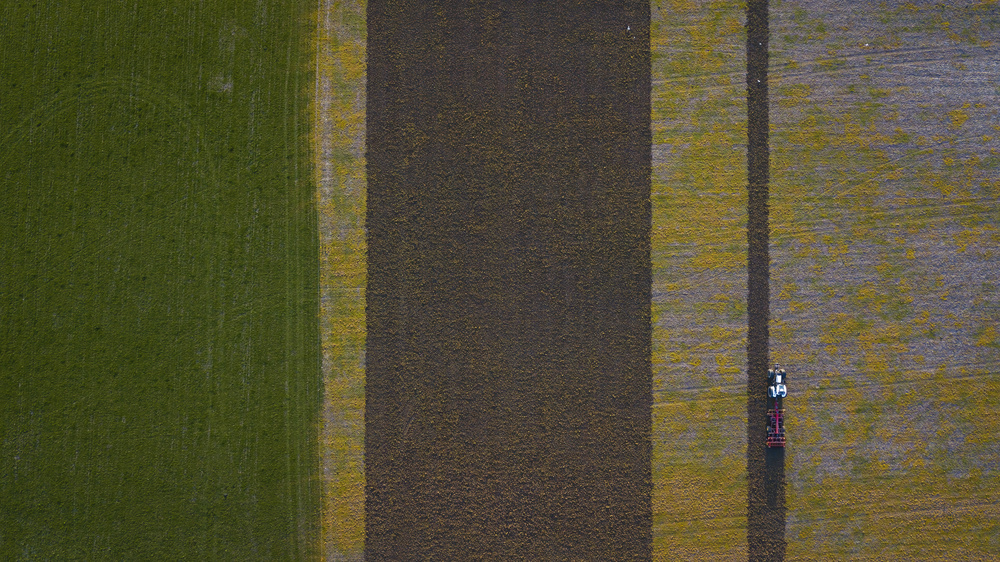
{"x": 508, "y": 377}
{"x": 765, "y": 467}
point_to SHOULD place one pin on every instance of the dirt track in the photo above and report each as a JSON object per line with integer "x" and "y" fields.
{"x": 765, "y": 467}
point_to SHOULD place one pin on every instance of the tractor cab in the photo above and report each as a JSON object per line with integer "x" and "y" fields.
{"x": 776, "y": 378}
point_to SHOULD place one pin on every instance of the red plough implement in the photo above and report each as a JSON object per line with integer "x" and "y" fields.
{"x": 776, "y": 427}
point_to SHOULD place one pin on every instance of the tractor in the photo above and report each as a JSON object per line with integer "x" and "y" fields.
{"x": 776, "y": 391}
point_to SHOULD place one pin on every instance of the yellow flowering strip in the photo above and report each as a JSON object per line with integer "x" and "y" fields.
{"x": 338, "y": 141}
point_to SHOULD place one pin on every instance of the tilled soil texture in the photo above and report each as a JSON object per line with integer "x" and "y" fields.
{"x": 508, "y": 384}
{"x": 884, "y": 190}
{"x": 159, "y": 362}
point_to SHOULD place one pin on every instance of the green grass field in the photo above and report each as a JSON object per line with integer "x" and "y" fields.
{"x": 159, "y": 367}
